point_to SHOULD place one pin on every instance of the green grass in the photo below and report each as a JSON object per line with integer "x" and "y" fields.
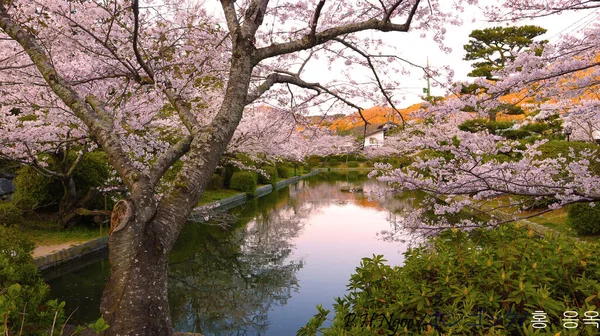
{"x": 55, "y": 236}
{"x": 216, "y": 195}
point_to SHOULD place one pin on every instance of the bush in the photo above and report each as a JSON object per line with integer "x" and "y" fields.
{"x": 552, "y": 149}
{"x": 215, "y": 182}
{"x": 333, "y": 162}
{"x": 244, "y": 181}
{"x": 10, "y": 214}
{"x": 313, "y": 160}
{"x": 16, "y": 267}
{"x": 584, "y": 219}
{"x": 33, "y": 189}
{"x": 487, "y": 282}
{"x": 284, "y": 171}
{"x": 352, "y": 164}
{"x": 272, "y": 179}
{"x": 229, "y": 171}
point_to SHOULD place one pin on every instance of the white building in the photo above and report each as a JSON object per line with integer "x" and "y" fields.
{"x": 375, "y": 136}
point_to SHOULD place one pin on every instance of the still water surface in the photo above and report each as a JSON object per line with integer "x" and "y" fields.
{"x": 264, "y": 275}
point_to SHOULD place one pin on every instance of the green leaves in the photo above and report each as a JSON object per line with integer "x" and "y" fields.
{"x": 483, "y": 282}
{"x": 99, "y": 326}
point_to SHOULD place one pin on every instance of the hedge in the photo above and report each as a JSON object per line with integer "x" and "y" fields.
{"x": 284, "y": 171}
{"x": 244, "y": 181}
{"x": 584, "y": 218}
{"x": 272, "y": 172}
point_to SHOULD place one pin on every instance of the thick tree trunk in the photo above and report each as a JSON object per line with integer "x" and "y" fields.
{"x": 135, "y": 300}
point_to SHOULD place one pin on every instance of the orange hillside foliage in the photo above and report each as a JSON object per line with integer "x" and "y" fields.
{"x": 374, "y": 115}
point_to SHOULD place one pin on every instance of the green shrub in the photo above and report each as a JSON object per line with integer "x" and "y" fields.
{"x": 244, "y": 181}
{"x": 229, "y": 171}
{"x": 215, "y": 182}
{"x": 552, "y": 149}
{"x": 352, "y": 164}
{"x": 487, "y": 282}
{"x": 33, "y": 189}
{"x": 313, "y": 160}
{"x": 333, "y": 162}
{"x": 584, "y": 219}
{"x": 272, "y": 179}
{"x": 284, "y": 171}
{"x": 23, "y": 291}
{"x": 16, "y": 267}
{"x": 10, "y": 214}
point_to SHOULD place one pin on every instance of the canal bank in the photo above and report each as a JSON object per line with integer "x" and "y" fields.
{"x": 56, "y": 258}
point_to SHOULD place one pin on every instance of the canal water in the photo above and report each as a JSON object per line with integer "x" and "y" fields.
{"x": 262, "y": 268}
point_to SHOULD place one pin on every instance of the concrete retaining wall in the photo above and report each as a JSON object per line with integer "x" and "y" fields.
{"x": 71, "y": 253}
{"x": 78, "y": 251}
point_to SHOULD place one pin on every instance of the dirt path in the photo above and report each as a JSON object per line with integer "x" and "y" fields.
{"x": 48, "y": 249}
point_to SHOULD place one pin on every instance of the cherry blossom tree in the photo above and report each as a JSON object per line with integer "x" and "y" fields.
{"x": 471, "y": 167}
{"x": 155, "y": 83}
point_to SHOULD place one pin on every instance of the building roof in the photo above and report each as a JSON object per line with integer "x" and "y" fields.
{"x": 376, "y": 128}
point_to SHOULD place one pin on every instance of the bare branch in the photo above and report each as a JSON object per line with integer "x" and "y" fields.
{"x": 315, "y": 20}
{"x": 331, "y": 33}
{"x": 138, "y": 56}
{"x": 379, "y": 84}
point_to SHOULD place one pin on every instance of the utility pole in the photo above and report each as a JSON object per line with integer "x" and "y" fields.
{"x": 428, "y": 80}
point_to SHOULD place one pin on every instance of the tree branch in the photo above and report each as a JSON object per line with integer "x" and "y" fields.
{"x": 138, "y": 56}
{"x": 231, "y": 17}
{"x": 315, "y": 20}
{"x": 379, "y": 84}
{"x": 183, "y": 110}
{"x": 331, "y": 33}
{"x": 98, "y": 128}
{"x": 168, "y": 158}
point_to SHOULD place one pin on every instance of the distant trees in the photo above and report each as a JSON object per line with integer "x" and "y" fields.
{"x": 493, "y": 48}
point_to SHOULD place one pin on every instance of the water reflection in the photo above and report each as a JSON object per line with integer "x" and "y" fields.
{"x": 224, "y": 282}
{"x": 264, "y": 274}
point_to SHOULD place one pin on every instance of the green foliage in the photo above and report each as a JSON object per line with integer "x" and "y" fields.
{"x": 486, "y": 282}
{"x": 352, "y": 164}
{"x": 333, "y": 162}
{"x": 215, "y": 182}
{"x": 313, "y": 161}
{"x": 34, "y": 189}
{"x": 244, "y": 181}
{"x": 284, "y": 171}
{"x": 494, "y": 47}
{"x": 26, "y": 289}
{"x": 99, "y": 326}
{"x": 10, "y": 214}
{"x": 229, "y": 171}
{"x": 272, "y": 179}
{"x": 584, "y": 219}
{"x": 555, "y": 148}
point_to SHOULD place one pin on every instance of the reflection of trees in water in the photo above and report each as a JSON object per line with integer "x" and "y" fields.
{"x": 224, "y": 282}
